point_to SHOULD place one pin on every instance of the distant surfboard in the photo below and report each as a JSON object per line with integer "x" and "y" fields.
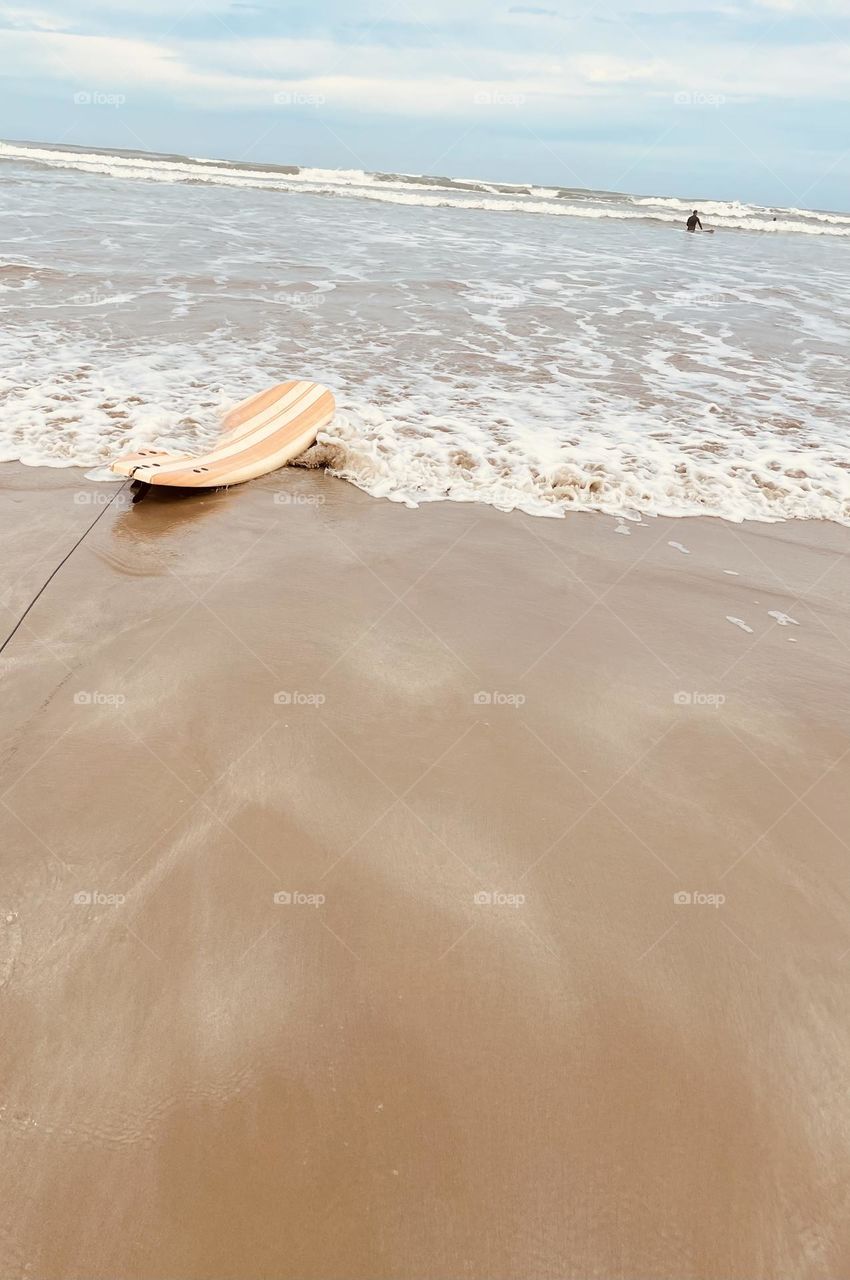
{"x": 259, "y": 435}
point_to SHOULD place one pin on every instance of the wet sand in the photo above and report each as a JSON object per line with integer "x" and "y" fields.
{"x": 481, "y": 1039}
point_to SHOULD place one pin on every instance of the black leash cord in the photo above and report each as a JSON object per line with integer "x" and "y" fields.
{"x": 48, "y": 581}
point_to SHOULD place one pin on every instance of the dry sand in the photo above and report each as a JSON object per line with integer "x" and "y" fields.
{"x": 578, "y": 1077}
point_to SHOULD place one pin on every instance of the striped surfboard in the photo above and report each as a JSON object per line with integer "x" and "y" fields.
{"x": 259, "y": 435}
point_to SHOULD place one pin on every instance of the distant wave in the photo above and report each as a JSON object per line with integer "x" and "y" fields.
{"x": 425, "y": 191}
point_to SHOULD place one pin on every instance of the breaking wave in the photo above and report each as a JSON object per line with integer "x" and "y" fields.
{"x": 424, "y": 191}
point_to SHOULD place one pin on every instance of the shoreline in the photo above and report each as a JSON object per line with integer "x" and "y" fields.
{"x": 501, "y": 746}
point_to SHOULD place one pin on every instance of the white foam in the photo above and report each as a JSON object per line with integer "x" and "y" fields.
{"x": 533, "y": 372}
{"x": 782, "y": 619}
{"x": 602, "y": 470}
{"x": 356, "y": 183}
{"x": 92, "y": 405}
{"x": 739, "y": 622}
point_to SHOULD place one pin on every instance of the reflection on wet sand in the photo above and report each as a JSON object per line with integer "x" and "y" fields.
{"x": 361, "y": 872}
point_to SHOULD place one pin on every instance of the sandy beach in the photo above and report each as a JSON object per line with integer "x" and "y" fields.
{"x": 341, "y": 845}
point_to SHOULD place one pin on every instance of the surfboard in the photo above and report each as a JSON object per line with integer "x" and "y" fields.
{"x": 261, "y": 434}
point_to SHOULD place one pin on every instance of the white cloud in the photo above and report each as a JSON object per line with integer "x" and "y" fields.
{"x": 31, "y": 19}
{"x": 601, "y": 68}
{"x": 808, "y": 8}
{"x": 418, "y": 81}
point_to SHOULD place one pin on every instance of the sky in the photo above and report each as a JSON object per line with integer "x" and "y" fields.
{"x": 747, "y": 100}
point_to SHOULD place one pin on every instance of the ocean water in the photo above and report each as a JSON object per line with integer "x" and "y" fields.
{"x": 540, "y": 349}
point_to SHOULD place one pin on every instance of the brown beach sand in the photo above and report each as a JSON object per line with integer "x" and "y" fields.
{"x": 578, "y": 1077}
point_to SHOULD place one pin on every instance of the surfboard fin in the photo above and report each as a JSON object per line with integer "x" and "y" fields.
{"x": 139, "y": 489}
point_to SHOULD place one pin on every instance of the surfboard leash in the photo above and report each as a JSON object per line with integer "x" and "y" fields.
{"x": 64, "y": 560}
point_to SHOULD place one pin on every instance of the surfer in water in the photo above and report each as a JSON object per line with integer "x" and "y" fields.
{"x": 694, "y": 222}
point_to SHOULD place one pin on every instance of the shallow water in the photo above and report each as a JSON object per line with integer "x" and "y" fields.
{"x": 543, "y": 351}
